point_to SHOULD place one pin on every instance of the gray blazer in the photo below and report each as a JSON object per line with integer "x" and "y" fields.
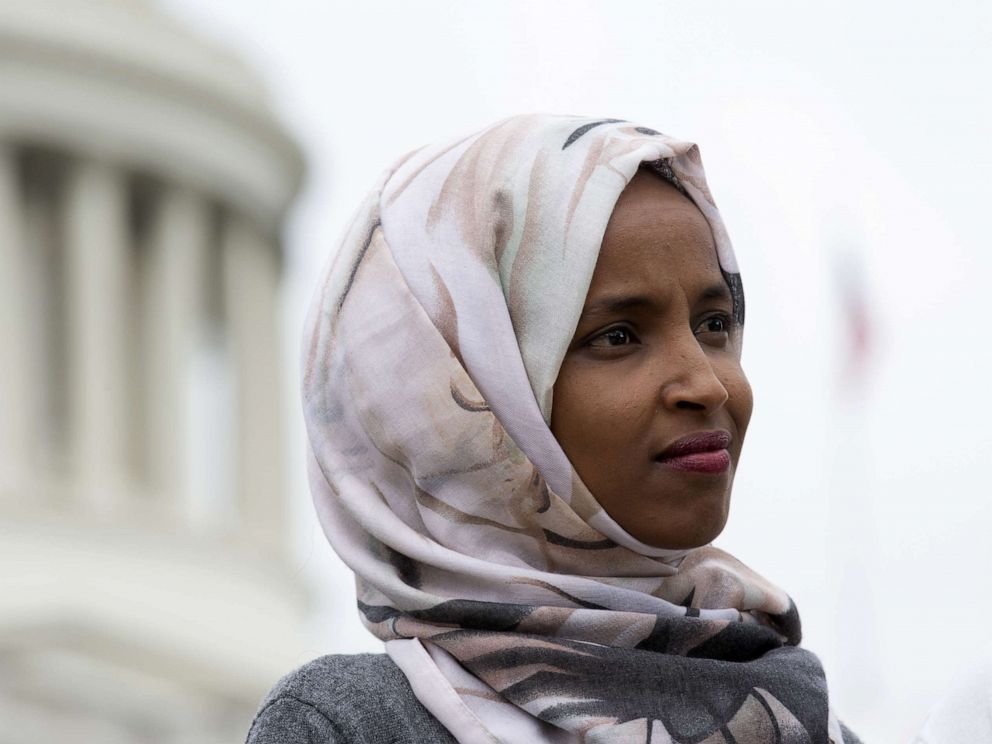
{"x": 360, "y": 699}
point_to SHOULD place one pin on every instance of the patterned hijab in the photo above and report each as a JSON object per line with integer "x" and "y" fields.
{"x": 516, "y": 607}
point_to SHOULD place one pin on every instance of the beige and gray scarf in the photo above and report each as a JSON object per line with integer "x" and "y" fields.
{"x": 517, "y": 608}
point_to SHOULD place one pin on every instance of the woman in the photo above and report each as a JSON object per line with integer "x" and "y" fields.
{"x": 525, "y": 405}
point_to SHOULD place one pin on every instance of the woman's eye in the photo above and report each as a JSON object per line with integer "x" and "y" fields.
{"x": 613, "y": 337}
{"x": 715, "y": 324}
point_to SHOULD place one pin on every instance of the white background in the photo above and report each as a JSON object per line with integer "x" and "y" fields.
{"x": 842, "y": 134}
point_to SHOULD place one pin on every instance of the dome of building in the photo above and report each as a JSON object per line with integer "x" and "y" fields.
{"x": 146, "y": 587}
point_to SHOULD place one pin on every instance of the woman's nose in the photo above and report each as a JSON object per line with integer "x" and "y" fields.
{"x": 690, "y": 382}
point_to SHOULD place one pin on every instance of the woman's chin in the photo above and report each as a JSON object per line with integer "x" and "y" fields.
{"x": 694, "y": 527}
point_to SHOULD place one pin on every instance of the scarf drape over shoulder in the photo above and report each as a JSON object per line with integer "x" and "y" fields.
{"x": 517, "y": 608}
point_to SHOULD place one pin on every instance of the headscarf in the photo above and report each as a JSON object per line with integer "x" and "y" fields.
{"x": 516, "y": 607}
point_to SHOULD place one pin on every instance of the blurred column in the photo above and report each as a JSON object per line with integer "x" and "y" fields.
{"x": 97, "y": 271}
{"x": 177, "y": 250}
{"x": 250, "y": 268}
{"x": 43, "y": 292}
{"x": 15, "y": 390}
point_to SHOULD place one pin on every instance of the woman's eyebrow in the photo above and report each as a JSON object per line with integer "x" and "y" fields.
{"x": 716, "y": 292}
{"x": 620, "y": 303}
{"x": 610, "y": 305}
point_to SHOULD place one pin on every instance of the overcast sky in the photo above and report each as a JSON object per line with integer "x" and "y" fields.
{"x": 840, "y": 141}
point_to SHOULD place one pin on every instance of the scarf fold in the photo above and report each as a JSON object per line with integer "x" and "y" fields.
{"x": 430, "y": 354}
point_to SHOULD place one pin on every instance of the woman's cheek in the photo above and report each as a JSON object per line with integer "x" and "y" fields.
{"x": 741, "y": 400}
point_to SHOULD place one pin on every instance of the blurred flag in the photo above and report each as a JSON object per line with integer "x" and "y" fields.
{"x": 857, "y": 331}
{"x": 851, "y": 487}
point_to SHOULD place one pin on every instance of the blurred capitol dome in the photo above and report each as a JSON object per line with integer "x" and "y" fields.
{"x": 145, "y": 589}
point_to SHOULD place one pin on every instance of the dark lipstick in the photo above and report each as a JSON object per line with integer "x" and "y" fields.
{"x": 702, "y": 452}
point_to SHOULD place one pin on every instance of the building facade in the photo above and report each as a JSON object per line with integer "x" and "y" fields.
{"x": 146, "y": 592}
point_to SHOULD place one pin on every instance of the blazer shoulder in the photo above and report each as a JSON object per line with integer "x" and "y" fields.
{"x": 348, "y": 698}
{"x": 340, "y": 677}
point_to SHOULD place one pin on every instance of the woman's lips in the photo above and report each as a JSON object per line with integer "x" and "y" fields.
{"x": 704, "y": 452}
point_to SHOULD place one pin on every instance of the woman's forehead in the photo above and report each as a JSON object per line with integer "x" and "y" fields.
{"x": 653, "y": 226}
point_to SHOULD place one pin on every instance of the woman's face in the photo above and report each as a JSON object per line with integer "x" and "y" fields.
{"x": 651, "y": 404}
